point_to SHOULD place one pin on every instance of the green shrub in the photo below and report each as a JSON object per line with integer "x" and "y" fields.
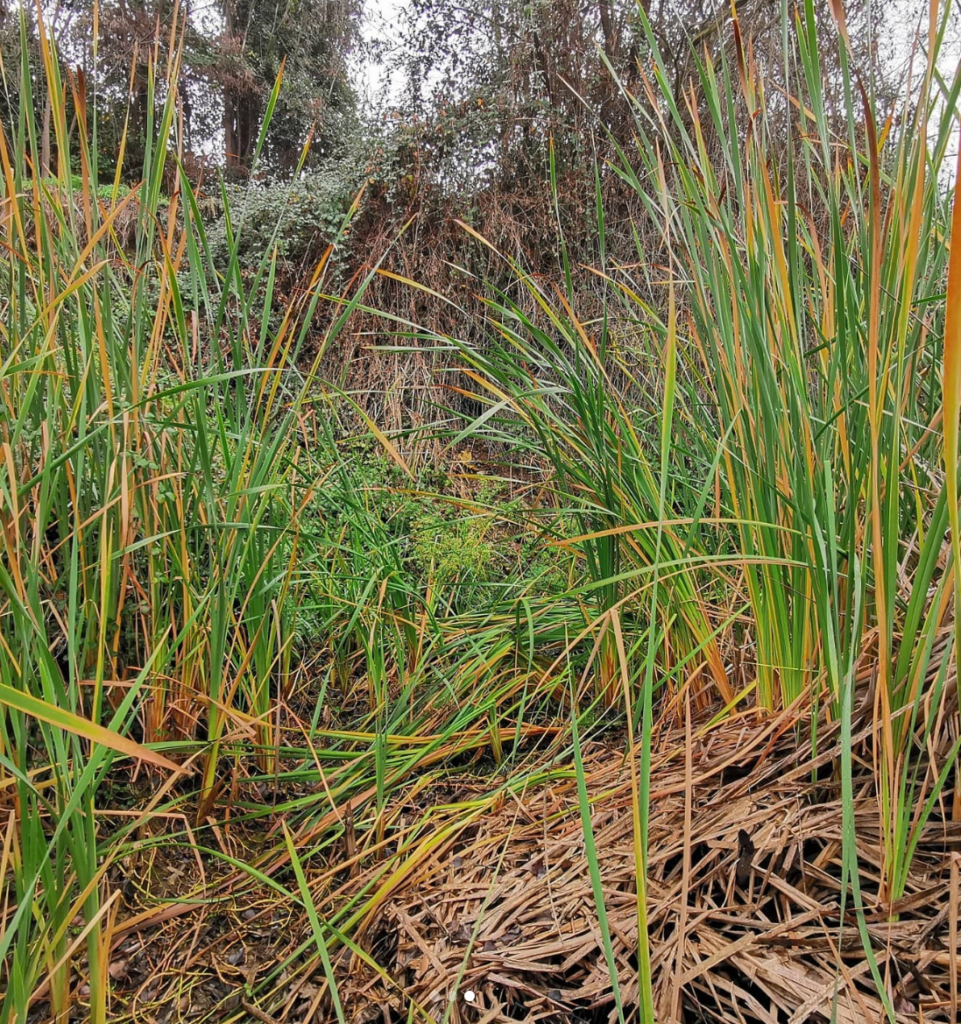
{"x": 299, "y": 218}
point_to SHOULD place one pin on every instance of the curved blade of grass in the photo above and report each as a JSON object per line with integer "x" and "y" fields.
{"x": 40, "y": 709}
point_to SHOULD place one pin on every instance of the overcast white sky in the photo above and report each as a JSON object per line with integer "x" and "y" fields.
{"x": 896, "y": 23}
{"x": 383, "y": 20}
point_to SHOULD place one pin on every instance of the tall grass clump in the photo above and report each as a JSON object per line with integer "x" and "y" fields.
{"x": 151, "y": 487}
{"x": 812, "y": 239}
{"x": 763, "y": 501}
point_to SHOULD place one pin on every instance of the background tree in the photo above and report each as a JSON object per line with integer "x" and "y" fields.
{"x": 313, "y": 40}
{"x": 232, "y": 53}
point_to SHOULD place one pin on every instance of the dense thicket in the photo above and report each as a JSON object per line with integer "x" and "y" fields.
{"x": 493, "y": 101}
{"x": 502, "y": 98}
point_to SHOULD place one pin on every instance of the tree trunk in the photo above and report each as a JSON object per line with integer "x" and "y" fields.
{"x": 607, "y": 27}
